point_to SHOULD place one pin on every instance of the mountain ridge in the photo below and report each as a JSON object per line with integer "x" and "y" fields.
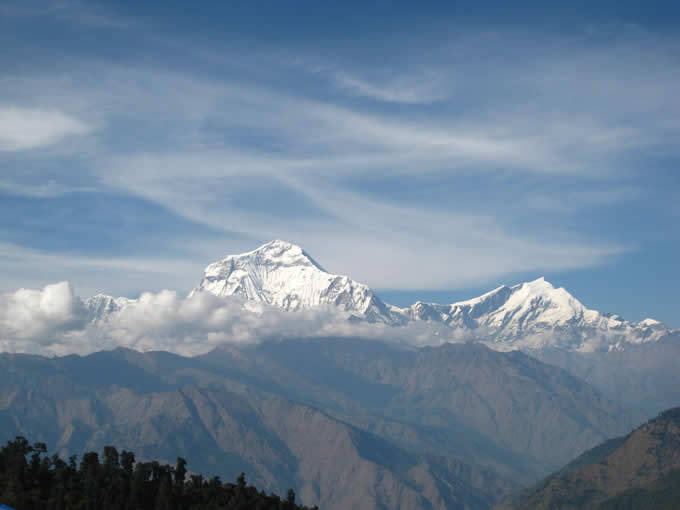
{"x": 615, "y": 473}
{"x": 529, "y": 316}
{"x": 456, "y": 426}
{"x": 164, "y": 405}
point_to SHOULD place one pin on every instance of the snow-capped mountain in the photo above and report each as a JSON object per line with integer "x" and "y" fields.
{"x": 527, "y": 316}
{"x": 536, "y": 314}
{"x": 101, "y": 305}
{"x": 282, "y": 274}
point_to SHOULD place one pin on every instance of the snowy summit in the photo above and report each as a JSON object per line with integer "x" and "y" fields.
{"x": 531, "y": 315}
{"x": 282, "y": 274}
{"x": 536, "y": 314}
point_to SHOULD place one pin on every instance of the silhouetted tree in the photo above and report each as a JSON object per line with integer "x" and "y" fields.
{"x": 290, "y": 499}
{"x": 31, "y": 480}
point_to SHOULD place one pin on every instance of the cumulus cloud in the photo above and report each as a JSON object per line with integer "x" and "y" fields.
{"x": 53, "y": 321}
{"x": 40, "y": 315}
{"x": 27, "y": 128}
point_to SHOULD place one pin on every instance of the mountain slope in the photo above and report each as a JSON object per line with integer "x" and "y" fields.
{"x": 620, "y": 471}
{"x": 161, "y": 406}
{"x": 519, "y": 413}
{"x": 644, "y": 377}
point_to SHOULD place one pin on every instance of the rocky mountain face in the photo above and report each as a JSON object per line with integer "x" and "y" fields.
{"x": 530, "y": 316}
{"x": 347, "y": 423}
{"x": 638, "y": 471}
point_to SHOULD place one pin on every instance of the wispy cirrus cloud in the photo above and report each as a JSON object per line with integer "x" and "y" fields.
{"x": 91, "y": 15}
{"x": 441, "y": 179}
{"x": 422, "y": 88}
{"x": 26, "y": 267}
{"x": 28, "y": 128}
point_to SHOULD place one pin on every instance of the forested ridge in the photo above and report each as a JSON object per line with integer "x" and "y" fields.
{"x": 32, "y": 480}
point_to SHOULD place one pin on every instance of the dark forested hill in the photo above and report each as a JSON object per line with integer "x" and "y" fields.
{"x": 32, "y": 480}
{"x": 640, "y": 471}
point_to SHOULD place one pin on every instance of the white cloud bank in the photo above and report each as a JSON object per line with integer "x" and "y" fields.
{"x": 30, "y": 315}
{"x": 53, "y": 321}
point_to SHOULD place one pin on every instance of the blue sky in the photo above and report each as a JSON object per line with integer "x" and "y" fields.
{"x": 431, "y": 151}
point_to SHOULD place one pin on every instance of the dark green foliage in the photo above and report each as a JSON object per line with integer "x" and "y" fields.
{"x": 31, "y": 480}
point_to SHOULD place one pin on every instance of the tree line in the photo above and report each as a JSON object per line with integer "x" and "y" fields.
{"x": 30, "y": 479}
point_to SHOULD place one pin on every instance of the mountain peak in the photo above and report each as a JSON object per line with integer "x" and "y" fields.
{"x": 277, "y": 245}
{"x": 529, "y": 315}
{"x": 101, "y": 305}
{"x": 651, "y": 323}
{"x": 276, "y": 252}
{"x": 282, "y": 274}
{"x": 540, "y": 283}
